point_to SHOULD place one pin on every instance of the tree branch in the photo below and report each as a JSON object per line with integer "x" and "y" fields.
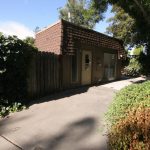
{"x": 146, "y": 16}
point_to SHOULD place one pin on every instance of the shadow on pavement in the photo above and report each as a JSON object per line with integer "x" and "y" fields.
{"x": 137, "y": 82}
{"x": 59, "y": 95}
{"x": 76, "y": 136}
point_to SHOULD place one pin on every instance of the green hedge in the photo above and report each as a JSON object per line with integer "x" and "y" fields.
{"x": 128, "y": 98}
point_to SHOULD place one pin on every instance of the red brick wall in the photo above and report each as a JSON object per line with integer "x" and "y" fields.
{"x": 73, "y": 32}
{"x": 60, "y": 39}
{"x": 49, "y": 39}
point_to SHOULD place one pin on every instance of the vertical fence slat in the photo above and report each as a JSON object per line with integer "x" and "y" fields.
{"x": 44, "y": 75}
{"x": 41, "y": 73}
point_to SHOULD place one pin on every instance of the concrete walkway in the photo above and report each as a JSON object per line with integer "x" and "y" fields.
{"x": 72, "y": 120}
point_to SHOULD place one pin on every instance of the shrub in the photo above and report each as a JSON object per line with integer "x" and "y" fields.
{"x": 15, "y": 57}
{"x": 133, "y": 132}
{"x": 134, "y": 68}
{"x": 6, "y": 108}
{"x": 128, "y": 98}
{"x": 129, "y": 118}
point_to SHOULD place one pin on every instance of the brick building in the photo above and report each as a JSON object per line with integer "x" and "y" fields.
{"x": 86, "y": 56}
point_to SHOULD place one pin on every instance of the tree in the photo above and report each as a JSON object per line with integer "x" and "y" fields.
{"x": 138, "y": 50}
{"x": 82, "y": 13}
{"x": 139, "y": 10}
{"x": 15, "y": 58}
{"x": 122, "y": 26}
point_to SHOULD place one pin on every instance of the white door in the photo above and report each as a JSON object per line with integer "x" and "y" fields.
{"x": 86, "y": 67}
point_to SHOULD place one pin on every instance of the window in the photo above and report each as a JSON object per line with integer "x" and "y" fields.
{"x": 109, "y": 66}
{"x": 87, "y": 61}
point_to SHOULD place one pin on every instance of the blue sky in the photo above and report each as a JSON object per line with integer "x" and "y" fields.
{"x": 21, "y": 17}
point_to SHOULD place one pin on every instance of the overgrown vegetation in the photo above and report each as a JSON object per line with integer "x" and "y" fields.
{"x": 132, "y": 133}
{"x": 129, "y": 118}
{"x": 15, "y": 57}
{"x": 134, "y": 68}
{"x": 6, "y": 108}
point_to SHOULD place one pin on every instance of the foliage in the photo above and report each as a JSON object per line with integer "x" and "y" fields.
{"x": 126, "y": 99}
{"x": 145, "y": 62}
{"x": 129, "y": 118}
{"x": 139, "y": 10}
{"x": 29, "y": 40}
{"x": 121, "y": 26}
{"x": 15, "y": 56}
{"x": 6, "y": 108}
{"x": 134, "y": 67}
{"x": 132, "y": 133}
{"x": 137, "y": 50}
{"x": 82, "y": 13}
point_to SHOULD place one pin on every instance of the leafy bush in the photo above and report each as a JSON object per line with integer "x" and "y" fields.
{"x": 133, "y": 132}
{"x": 134, "y": 68}
{"x": 128, "y": 98}
{"x": 15, "y": 57}
{"x": 6, "y": 108}
{"x": 129, "y": 118}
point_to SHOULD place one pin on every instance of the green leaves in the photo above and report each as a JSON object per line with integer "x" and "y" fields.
{"x": 129, "y": 118}
{"x": 81, "y": 12}
{"x": 126, "y": 99}
{"x": 15, "y": 56}
{"x": 14, "y": 107}
{"x": 29, "y": 40}
{"x": 121, "y": 25}
{"x": 134, "y": 68}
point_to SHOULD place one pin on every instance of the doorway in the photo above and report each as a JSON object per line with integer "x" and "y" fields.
{"x": 86, "y": 67}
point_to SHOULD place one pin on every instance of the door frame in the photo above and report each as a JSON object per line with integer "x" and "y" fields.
{"x": 91, "y": 65}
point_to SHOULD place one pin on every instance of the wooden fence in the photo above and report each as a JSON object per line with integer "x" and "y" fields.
{"x": 44, "y": 74}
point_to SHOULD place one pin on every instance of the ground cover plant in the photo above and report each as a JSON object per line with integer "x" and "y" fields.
{"x": 128, "y": 118}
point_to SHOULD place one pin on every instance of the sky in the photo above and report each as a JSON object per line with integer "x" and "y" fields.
{"x": 21, "y": 17}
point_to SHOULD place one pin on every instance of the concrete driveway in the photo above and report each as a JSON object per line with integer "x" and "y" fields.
{"x": 71, "y": 120}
